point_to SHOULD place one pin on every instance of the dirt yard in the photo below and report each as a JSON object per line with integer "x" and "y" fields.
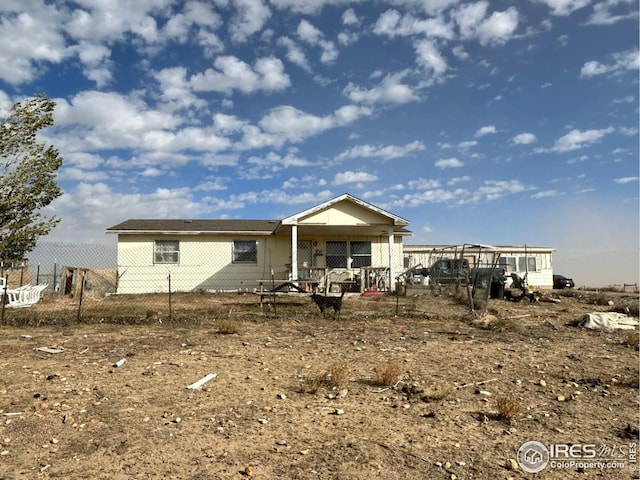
{"x": 430, "y": 393}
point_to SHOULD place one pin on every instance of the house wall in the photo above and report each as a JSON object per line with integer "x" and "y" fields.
{"x": 345, "y": 213}
{"x": 206, "y": 263}
{"x": 541, "y": 277}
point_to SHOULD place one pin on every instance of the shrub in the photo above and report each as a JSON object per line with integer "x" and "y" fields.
{"x": 336, "y": 376}
{"x": 227, "y": 327}
{"x": 509, "y": 407}
{"x": 388, "y": 374}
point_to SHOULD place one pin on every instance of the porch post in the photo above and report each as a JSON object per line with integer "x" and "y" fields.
{"x": 294, "y": 252}
{"x": 392, "y": 275}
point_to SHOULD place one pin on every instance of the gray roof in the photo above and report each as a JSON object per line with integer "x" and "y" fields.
{"x": 195, "y": 226}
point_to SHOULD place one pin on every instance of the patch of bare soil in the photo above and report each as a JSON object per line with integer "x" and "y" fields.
{"x": 431, "y": 393}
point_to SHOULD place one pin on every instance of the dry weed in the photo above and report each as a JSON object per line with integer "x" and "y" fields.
{"x": 227, "y": 327}
{"x": 632, "y": 338}
{"x": 437, "y": 391}
{"x": 336, "y": 376}
{"x": 313, "y": 382}
{"x": 388, "y": 374}
{"x": 505, "y": 325}
{"x": 509, "y": 407}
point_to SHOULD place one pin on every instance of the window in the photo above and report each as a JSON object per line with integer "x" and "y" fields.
{"x": 337, "y": 254}
{"x": 527, "y": 264}
{"x": 509, "y": 263}
{"x": 361, "y": 254}
{"x": 245, "y": 251}
{"x": 166, "y": 251}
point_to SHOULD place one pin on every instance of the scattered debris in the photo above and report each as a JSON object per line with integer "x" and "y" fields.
{"x": 511, "y": 464}
{"x": 120, "y": 363}
{"x": 50, "y": 349}
{"x": 198, "y": 385}
{"x": 608, "y": 321}
{"x": 464, "y": 385}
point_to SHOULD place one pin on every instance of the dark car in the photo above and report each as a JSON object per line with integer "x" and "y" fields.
{"x": 560, "y": 281}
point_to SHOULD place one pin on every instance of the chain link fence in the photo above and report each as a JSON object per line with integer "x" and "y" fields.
{"x": 64, "y": 284}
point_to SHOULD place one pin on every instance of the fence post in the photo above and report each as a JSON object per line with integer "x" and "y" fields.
{"x": 4, "y": 295}
{"x": 80, "y": 302}
{"x": 170, "y": 309}
{"x": 55, "y": 276}
{"x": 273, "y": 289}
{"x": 38, "y": 275}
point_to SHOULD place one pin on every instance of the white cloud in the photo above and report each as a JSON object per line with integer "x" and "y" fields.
{"x": 487, "y": 130}
{"x": 309, "y": 7}
{"x": 577, "y": 139}
{"x": 386, "y": 153}
{"x": 294, "y": 54}
{"x": 449, "y": 163}
{"x": 30, "y": 39}
{"x": 603, "y": 15}
{"x": 276, "y": 162}
{"x": 468, "y": 144}
{"x": 343, "y": 178}
{"x": 524, "y": 139}
{"x": 423, "y": 184}
{"x": 310, "y": 34}
{"x": 431, "y": 7}
{"x": 391, "y": 24}
{"x": 175, "y": 89}
{"x": 287, "y": 123}
{"x": 624, "y": 180}
{"x": 349, "y": 17}
{"x": 389, "y": 90}
{"x": 430, "y": 59}
{"x": 495, "y": 189}
{"x": 546, "y": 194}
{"x": 250, "y": 17}
{"x": 629, "y": 60}
{"x": 231, "y": 73}
{"x": 565, "y": 7}
{"x": 496, "y": 29}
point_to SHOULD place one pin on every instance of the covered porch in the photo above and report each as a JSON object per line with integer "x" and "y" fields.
{"x": 345, "y": 245}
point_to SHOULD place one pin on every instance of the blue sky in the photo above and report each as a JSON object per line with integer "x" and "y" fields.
{"x": 498, "y": 122}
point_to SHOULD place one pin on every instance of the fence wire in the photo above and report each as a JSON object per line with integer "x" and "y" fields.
{"x": 89, "y": 284}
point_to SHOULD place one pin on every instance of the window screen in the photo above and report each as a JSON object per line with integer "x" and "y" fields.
{"x": 245, "y": 251}
{"x": 337, "y": 254}
{"x": 166, "y": 251}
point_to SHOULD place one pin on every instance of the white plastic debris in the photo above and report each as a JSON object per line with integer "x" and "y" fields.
{"x": 198, "y": 385}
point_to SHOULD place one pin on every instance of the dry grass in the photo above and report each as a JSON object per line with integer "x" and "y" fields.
{"x": 227, "y": 327}
{"x": 632, "y": 338}
{"x": 338, "y": 375}
{"x": 505, "y": 325}
{"x": 437, "y": 391}
{"x": 509, "y": 407}
{"x": 388, "y": 374}
{"x": 334, "y": 377}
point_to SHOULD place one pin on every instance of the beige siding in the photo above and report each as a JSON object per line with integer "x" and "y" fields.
{"x": 345, "y": 213}
{"x": 206, "y": 263}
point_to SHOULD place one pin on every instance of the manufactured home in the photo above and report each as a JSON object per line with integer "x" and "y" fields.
{"x": 532, "y": 263}
{"x": 342, "y": 244}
